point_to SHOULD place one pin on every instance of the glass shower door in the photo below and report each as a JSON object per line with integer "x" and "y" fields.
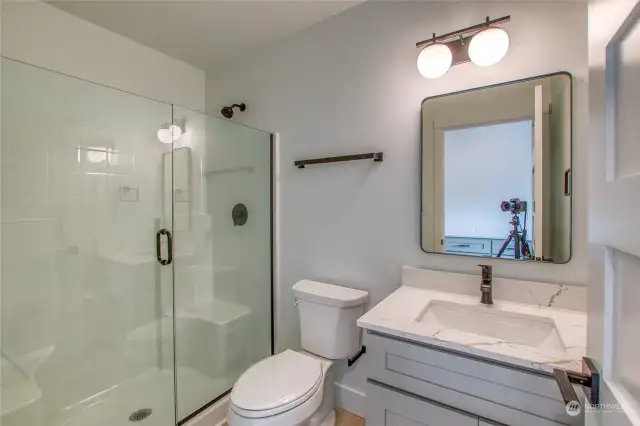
{"x": 87, "y": 310}
{"x": 222, "y": 235}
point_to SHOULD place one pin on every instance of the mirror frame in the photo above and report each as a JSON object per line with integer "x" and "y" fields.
{"x": 571, "y": 182}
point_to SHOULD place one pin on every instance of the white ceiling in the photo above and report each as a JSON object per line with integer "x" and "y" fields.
{"x": 205, "y": 33}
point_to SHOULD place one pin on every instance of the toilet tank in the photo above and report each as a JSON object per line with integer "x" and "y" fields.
{"x": 328, "y": 318}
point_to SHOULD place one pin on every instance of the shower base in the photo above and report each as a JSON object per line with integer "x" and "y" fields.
{"x": 147, "y": 400}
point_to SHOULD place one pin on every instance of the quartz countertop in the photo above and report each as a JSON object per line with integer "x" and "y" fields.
{"x": 402, "y": 314}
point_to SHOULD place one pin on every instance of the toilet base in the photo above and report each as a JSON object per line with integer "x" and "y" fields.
{"x": 330, "y": 420}
{"x": 326, "y": 413}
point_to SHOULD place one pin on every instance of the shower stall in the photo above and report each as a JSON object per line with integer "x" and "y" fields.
{"x": 136, "y": 254}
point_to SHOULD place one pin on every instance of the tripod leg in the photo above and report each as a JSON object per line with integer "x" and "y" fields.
{"x": 504, "y": 245}
{"x": 526, "y": 252}
{"x": 516, "y": 246}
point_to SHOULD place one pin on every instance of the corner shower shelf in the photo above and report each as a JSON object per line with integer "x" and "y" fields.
{"x": 218, "y": 312}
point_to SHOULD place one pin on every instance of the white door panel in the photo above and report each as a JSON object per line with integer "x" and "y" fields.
{"x": 614, "y": 216}
{"x": 627, "y": 155}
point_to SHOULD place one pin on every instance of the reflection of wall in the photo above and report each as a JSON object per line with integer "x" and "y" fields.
{"x": 560, "y": 153}
{"x": 484, "y": 166}
{"x": 349, "y": 84}
{"x": 504, "y": 103}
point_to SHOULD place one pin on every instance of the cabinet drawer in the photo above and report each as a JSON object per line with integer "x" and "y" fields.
{"x": 391, "y": 407}
{"x": 508, "y": 252}
{"x": 484, "y": 422}
{"x": 467, "y": 245}
{"x": 500, "y": 393}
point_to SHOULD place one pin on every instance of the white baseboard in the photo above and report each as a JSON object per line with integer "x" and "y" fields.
{"x": 349, "y": 399}
{"x": 215, "y": 415}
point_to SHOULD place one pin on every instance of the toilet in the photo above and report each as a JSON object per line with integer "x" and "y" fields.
{"x": 296, "y": 388}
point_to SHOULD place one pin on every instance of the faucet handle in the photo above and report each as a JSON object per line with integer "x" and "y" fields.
{"x": 487, "y": 271}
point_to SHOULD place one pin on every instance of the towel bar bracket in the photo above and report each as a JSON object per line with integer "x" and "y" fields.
{"x": 357, "y": 356}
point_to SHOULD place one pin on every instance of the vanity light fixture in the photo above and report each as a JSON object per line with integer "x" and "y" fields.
{"x": 483, "y": 44}
{"x": 434, "y": 60}
{"x": 488, "y": 46}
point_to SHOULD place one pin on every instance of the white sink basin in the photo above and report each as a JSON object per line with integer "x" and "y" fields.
{"x": 532, "y": 336}
{"x": 487, "y": 325}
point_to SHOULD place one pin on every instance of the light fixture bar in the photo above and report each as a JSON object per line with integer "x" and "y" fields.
{"x": 464, "y": 31}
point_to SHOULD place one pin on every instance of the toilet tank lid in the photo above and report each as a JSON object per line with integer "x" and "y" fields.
{"x": 329, "y": 294}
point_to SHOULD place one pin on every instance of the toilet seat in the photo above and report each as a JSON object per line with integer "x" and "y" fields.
{"x": 276, "y": 384}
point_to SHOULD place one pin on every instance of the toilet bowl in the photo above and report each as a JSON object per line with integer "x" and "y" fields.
{"x": 296, "y": 388}
{"x": 291, "y": 388}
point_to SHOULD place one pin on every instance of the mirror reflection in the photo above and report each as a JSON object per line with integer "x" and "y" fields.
{"x": 496, "y": 171}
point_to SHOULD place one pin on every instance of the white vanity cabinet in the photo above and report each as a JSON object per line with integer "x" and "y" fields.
{"x": 389, "y": 407}
{"x": 488, "y": 423}
{"x": 412, "y": 384}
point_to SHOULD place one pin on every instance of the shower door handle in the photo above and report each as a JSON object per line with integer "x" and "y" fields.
{"x": 169, "y": 258}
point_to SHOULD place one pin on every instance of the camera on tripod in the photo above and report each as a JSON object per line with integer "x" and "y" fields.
{"x": 514, "y": 205}
{"x": 518, "y": 234}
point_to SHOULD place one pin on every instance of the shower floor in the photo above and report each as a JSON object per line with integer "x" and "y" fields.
{"x": 152, "y": 390}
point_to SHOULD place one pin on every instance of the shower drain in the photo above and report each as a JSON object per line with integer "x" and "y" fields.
{"x": 140, "y": 415}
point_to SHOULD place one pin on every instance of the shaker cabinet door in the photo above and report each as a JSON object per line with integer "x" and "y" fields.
{"x": 484, "y": 422}
{"x": 390, "y": 407}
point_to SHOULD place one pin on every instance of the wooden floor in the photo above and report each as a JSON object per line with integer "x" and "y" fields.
{"x": 345, "y": 418}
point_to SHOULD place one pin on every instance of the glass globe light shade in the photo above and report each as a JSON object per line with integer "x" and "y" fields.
{"x": 176, "y": 131}
{"x": 169, "y": 134}
{"x": 489, "y": 46}
{"x": 164, "y": 135}
{"x": 434, "y": 60}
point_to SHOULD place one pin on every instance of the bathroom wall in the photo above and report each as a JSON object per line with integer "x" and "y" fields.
{"x": 349, "y": 85}
{"x": 42, "y": 35}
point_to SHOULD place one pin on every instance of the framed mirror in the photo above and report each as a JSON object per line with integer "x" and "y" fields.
{"x": 496, "y": 171}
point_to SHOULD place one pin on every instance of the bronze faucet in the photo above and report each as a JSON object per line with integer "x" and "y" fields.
{"x": 486, "y": 297}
